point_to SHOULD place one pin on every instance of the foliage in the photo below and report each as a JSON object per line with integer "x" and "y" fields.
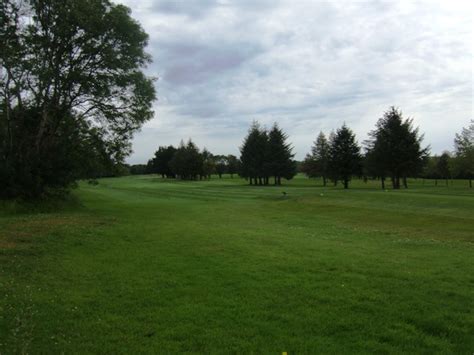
{"x": 265, "y": 154}
{"x": 442, "y": 166}
{"x": 160, "y": 163}
{"x": 187, "y": 162}
{"x": 464, "y": 153}
{"x": 394, "y": 148}
{"x": 233, "y": 165}
{"x": 220, "y": 164}
{"x": 71, "y": 90}
{"x": 316, "y": 164}
{"x": 138, "y": 169}
{"x": 345, "y": 157}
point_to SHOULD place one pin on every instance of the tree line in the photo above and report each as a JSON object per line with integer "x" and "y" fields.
{"x": 73, "y": 92}
{"x": 266, "y": 154}
{"x": 454, "y": 165}
{"x": 394, "y": 150}
{"x": 187, "y": 162}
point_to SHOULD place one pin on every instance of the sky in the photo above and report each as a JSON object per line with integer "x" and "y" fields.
{"x": 309, "y": 66}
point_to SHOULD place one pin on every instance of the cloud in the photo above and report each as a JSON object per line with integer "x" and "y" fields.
{"x": 308, "y": 65}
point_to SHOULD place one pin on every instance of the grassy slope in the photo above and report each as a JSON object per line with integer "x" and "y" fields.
{"x": 149, "y": 265}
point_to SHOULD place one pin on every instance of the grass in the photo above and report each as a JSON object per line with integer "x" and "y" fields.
{"x": 141, "y": 265}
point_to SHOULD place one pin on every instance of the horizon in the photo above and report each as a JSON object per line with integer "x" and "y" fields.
{"x": 308, "y": 66}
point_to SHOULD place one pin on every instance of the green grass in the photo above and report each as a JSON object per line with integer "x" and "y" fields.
{"x": 142, "y": 265}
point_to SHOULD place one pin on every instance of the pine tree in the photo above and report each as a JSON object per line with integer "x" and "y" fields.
{"x": 317, "y": 163}
{"x": 253, "y": 155}
{"x": 345, "y": 155}
{"x": 280, "y": 161}
{"x": 187, "y": 162}
{"x": 464, "y": 153}
{"x": 394, "y": 148}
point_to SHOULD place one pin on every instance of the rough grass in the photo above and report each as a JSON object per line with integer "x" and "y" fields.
{"x": 149, "y": 265}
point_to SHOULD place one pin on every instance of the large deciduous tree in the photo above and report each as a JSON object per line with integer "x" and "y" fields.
{"x": 394, "y": 148}
{"x": 70, "y": 73}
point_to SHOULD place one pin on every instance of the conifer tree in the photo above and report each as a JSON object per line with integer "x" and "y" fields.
{"x": 345, "y": 155}
{"x": 317, "y": 163}
{"x": 464, "y": 153}
{"x": 395, "y": 149}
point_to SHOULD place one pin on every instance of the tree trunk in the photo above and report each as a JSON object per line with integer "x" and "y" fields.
{"x": 383, "y": 183}
{"x": 274, "y": 180}
{"x": 346, "y": 184}
{"x": 260, "y": 180}
{"x": 324, "y": 181}
{"x": 405, "y": 184}
{"x": 470, "y": 183}
{"x": 279, "y": 180}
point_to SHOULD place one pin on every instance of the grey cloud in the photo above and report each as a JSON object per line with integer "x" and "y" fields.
{"x": 190, "y": 63}
{"x": 191, "y": 8}
{"x": 308, "y": 65}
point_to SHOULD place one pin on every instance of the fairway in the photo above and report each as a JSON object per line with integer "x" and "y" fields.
{"x": 143, "y": 264}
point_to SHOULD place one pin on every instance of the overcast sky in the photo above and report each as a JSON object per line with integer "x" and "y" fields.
{"x": 307, "y": 65}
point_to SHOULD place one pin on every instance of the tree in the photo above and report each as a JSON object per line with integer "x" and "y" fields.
{"x": 232, "y": 165}
{"x": 345, "y": 156}
{"x": 138, "y": 169}
{"x": 253, "y": 155}
{"x": 430, "y": 170}
{"x": 208, "y": 164}
{"x": 69, "y": 70}
{"x": 279, "y": 159}
{"x": 464, "y": 153}
{"x": 309, "y": 166}
{"x": 442, "y": 166}
{"x": 265, "y": 154}
{"x": 187, "y": 162}
{"x": 317, "y": 163}
{"x": 394, "y": 148}
{"x": 221, "y": 164}
{"x": 160, "y": 163}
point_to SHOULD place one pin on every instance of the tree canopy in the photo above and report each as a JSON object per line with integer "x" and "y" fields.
{"x": 345, "y": 157}
{"x": 317, "y": 163}
{"x": 464, "y": 153}
{"x": 71, "y": 83}
{"x": 394, "y": 148}
{"x": 265, "y": 154}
